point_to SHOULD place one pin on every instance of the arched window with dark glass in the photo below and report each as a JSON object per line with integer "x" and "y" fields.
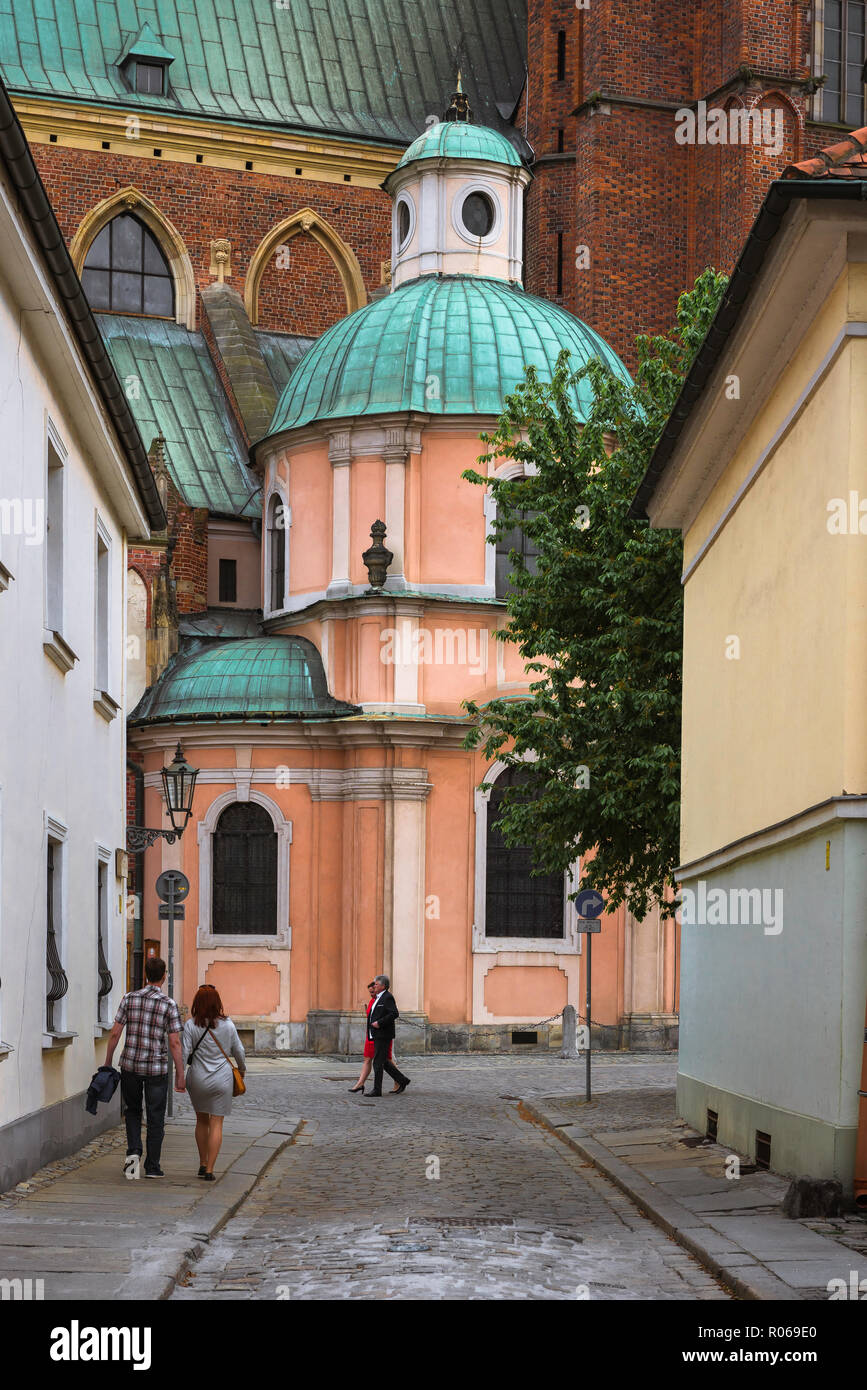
{"x": 515, "y": 539}
{"x": 245, "y": 872}
{"x": 278, "y": 536}
{"x": 126, "y": 272}
{"x": 517, "y": 903}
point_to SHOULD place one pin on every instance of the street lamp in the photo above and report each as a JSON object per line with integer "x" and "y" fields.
{"x": 179, "y": 784}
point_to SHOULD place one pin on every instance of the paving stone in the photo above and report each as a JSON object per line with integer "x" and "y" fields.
{"x": 810, "y": 1274}
{"x": 323, "y": 1221}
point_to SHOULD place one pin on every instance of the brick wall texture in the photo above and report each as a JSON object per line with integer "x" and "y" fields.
{"x": 651, "y": 212}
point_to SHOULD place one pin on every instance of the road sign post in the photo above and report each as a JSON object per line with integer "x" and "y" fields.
{"x": 172, "y": 887}
{"x": 589, "y": 905}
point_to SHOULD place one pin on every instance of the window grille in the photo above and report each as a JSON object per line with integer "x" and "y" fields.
{"x": 517, "y": 902}
{"x": 245, "y": 872}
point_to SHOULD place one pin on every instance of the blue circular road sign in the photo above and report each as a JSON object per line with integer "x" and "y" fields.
{"x": 589, "y": 903}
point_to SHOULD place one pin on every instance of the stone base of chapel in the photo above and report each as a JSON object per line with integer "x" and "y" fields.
{"x": 341, "y": 1032}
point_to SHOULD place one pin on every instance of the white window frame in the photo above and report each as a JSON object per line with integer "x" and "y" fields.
{"x": 493, "y": 194}
{"x": 507, "y": 472}
{"x": 816, "y": 64}
{"x": 570, "y": 944}
{"x": 5, "y": 1049}
{"x": 206, "y": 938}
{"x": 56, "y": 833}
{"x": 103, "y": 861}
{"x": 102, "y": 627}
{"x": 54, "y": 609}
{"x": 277, "y": 490}
{"x": 403, "y": 197}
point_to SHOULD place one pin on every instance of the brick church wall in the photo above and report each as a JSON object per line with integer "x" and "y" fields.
{"x": 301, "y": 290}
{"x": 651, "y": 212}
{"x": 204, "y": 203}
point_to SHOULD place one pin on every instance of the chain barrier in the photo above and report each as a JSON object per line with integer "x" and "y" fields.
{"x": 495, "y": 1031}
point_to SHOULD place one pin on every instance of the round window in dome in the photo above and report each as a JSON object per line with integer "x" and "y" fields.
{"x": 477, "y": 214}
{"x": 403, "y": 223}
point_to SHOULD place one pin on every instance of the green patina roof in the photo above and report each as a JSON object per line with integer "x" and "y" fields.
{"x": 451, "y": 345}
{"x": 261, "y": 678}
{"x": 282, "y": 353}
{"x": 145, "y": 44}
{"x": 372, "y": 70}
{"x": 174, "y": 390}
{"x": 461, "y": 140}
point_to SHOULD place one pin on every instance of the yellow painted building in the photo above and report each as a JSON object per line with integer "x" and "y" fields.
{"x": 763, "y": 466}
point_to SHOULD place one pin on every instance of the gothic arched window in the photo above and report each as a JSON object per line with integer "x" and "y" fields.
{"x": 244, "y": 872}
{"x": 278, "y": 538}
{"x": 517, "y": 902}
{"x": 126, "y": 272}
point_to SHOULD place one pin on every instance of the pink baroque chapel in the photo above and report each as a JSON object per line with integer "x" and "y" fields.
{"x": 340, "y": 829}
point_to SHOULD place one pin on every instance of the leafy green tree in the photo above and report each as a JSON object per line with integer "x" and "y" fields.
{"x": 597, "y": 618}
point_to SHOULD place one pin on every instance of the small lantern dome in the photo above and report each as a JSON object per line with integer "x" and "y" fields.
{"x": 458, "y": 198}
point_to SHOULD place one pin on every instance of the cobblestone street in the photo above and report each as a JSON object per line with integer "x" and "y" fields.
{"x": 443, "y": 1192}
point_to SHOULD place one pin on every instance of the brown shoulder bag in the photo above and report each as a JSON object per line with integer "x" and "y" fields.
{"x": 238, "y": 1086}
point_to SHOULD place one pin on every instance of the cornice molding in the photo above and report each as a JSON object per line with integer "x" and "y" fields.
{"x": 835, "y": 810}
{"x": 387, "y": 603}
{"x": 347, "y": 735}
{"x": 222, "y": 145}
{"x": 369, "y": 434}
{"x": 324, "y": 784}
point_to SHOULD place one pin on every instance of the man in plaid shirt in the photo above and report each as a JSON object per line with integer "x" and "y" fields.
{"x": 148, "y": 1015}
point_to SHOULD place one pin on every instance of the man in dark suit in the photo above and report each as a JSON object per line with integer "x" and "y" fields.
{"x": 380, "y": 1030}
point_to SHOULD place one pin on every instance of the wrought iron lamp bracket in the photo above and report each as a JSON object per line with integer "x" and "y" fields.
{"x": 139, "y": 838}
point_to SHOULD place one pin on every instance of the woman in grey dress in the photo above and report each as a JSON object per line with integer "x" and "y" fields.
{"x": 209, "y": 1073}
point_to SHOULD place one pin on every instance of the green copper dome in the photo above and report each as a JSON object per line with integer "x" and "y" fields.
{"x": 445, "y": 345}
{"x": 253, "y": 678}
{"x": 461, "y": 140}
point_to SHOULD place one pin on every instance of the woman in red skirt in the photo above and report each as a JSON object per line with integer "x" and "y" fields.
{"x": 358, "y": 1088}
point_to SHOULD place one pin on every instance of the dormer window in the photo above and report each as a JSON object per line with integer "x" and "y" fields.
{"x": 145, "y": 61}
{"x": 150, "y": 78}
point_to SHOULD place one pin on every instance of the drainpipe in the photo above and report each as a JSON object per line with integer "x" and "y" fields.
{"x": 861, "y": 1143}
{"x": 137, "y": 927}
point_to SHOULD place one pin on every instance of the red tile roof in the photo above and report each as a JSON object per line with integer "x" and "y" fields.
{"x": 848, "y": 160}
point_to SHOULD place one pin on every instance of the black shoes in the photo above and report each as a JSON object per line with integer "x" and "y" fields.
{"x": 154, "y": 1173}
{"x": 401, "y": 1088}
{"x": 202, "y": 1171}
{"x": 356, "y": 1090}
{"x": 374, "y": 1093}
{"x": 208, "y": 1177}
